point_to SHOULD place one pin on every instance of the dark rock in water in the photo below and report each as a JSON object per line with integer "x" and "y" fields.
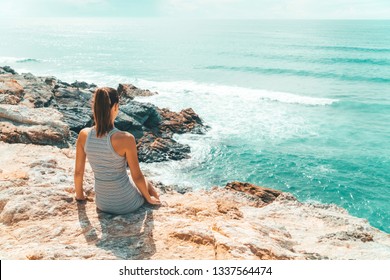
{"x": 127, "y": 92}
{"x": 156, "y": 149}
{"x": 7, "y": 69}
{"x": 125, "y": 122}
{"x": 184, "y": 121}
{"x": 144, "y": 113}
{"x": 82, "y": 85}
{"x": 77, "y": 117}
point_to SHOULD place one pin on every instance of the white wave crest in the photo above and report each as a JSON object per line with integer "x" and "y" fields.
{"x": 244, "y": 93}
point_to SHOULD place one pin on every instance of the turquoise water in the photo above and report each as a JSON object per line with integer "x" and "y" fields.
{"x": 300, "y": 106}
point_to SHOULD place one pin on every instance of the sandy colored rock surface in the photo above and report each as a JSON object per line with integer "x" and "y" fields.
{"x": 39, "y": 219}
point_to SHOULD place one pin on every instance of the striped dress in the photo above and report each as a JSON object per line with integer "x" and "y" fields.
{"x": 115, "y": 193}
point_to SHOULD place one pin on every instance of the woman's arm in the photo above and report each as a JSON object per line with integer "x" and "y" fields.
{"x": 136, "y": 174}
{"x": 80, "y": 165}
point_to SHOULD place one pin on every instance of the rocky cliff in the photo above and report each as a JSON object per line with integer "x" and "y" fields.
{"x": 39, "y": 218}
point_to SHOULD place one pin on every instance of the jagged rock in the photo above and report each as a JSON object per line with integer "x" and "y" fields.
{"x": 11, "y": 92}
{"x": 156, "y": 149}
{"x": 128, "y": 123}
{"x": 25, "y": 89}
{"x": 83, "y": 85}
{"x": 127, "y": 92}
{"x": 184, "y": 121}
{"x": 20, "y": 124}
{"x": 7, "y": 69}
{"x": 51, "y": 81}
{"x": 153, "y": 128}
{"x": 144, "y": 113}
{"x": 37, "y": 94}
{"x": 259, "y": 194}
{"x": 72, "y": 97}
{"x": 77, "y": 117}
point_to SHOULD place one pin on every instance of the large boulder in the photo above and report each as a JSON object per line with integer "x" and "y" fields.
{"x": 145, "y": 114}
{"x": 184, "y": 121}
{"x": 77, "y": 117}
{"x": 156, "y": 149}
{"x": 21, "y": 124}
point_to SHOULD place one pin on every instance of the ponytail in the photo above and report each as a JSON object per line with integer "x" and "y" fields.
{"x": 104, "y": 99}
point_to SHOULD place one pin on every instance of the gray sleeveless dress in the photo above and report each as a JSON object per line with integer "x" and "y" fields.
{"x": 115, "y": 193}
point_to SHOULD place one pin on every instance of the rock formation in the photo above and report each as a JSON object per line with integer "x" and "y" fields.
{"x": 40, "y": 219}
{"x": 152, "y": 127}
{"x": 128, "y": 92}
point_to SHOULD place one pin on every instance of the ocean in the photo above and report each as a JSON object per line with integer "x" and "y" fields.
{"x": 299, "y": 106}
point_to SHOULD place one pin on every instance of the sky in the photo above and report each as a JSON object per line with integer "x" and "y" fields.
{"x": 225, "y": 9}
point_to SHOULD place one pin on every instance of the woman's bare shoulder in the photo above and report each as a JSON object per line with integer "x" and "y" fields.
{"x": 84, "y": 132}
{"x": 121, "y": 141}
{"x": 122, "y": 136}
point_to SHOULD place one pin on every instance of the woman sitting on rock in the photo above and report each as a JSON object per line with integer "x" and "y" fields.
{"x": 107, "y": 149}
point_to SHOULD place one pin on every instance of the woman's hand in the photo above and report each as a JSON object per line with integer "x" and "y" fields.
{"x": 151, "y": 190}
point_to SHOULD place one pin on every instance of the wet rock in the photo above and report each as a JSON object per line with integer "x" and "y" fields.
{"x": 144, "y": 113}
{"x": 184, "y": 121}
{"x": 7, "y": 69}
{"x": 127, "y": 92}
{"x": 126, "y": 122}
{"x": 156, "y": 149}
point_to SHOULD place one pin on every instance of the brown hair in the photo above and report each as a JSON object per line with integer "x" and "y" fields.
{"x": 104, "y": 99}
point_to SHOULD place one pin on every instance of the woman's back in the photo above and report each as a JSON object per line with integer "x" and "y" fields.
{"x": 114, "y": 191}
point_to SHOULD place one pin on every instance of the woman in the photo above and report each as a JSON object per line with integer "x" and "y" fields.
{"x": 108, "y": 149}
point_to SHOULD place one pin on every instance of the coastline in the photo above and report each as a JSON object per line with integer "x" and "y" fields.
{"x": 40, "y": 219}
